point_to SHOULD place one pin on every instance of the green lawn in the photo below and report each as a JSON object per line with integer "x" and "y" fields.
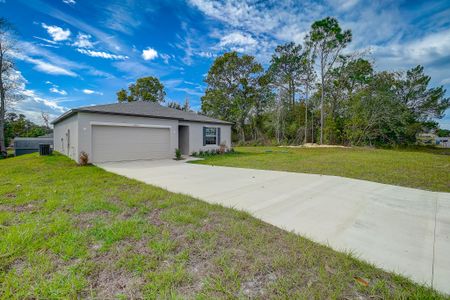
{"x": 422, "y": 168}
{"x": 80, "y": 232}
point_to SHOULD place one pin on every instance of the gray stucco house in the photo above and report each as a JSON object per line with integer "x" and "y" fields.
{"x": 136, "y": 130}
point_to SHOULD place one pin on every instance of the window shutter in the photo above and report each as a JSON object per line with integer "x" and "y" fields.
{"x": 218, "y": 135}
{"x": 204, "y": 136}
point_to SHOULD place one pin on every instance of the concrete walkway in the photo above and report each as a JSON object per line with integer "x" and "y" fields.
{"x": 398, "y": 229}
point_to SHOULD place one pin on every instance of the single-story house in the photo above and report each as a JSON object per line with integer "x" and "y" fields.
{"x": 443, "y": 142}
{"x": 25, "y": 145}
{"x": 136, "y": 130}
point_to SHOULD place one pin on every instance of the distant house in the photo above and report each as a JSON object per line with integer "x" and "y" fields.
{"x": 431, "y": 139}
{"x": 443, "y": 142}
{"x": 25, "y": 145}
{"x": 426, "y": 139}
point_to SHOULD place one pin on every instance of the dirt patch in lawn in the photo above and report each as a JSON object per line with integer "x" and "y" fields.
{"x": 86, "y": 220}
{"x": 108, "y": 281}
{"x": 309, "y": 145}
{"x": 109, "y": 284}
{"x": 27, "y": 207}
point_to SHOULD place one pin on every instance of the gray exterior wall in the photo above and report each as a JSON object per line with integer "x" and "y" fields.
{"x": 196, "y": 136}
{"x": 86, "y": 120}
{"x": 60, "y": 137}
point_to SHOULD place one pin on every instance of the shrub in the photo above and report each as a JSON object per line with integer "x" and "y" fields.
{"x": 201, "y": 153}
{"x": 177, "y": 154}
{"x": 84, "y": 159}
{"x": 222, "y": 148}
{"x": 194, "y": 154}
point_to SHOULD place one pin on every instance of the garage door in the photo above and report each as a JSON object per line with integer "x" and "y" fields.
{"x": 118, "y": 143}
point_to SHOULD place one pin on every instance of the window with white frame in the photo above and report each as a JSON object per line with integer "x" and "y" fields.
{"x": 210, "y": 136}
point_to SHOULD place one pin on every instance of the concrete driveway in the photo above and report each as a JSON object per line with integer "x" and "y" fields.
{"x": 398, "y": 229}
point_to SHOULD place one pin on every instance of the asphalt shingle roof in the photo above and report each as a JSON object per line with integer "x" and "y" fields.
{"x": 142, "y": 109}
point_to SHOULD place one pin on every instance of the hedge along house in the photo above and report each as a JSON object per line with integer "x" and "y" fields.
{"x": 136, "y": 130}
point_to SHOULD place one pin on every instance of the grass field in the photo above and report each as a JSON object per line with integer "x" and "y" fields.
{"x": 423, "y": 168}
{"x": 80, "y": 232}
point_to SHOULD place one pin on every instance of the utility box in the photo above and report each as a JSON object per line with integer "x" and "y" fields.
{"x": 44, "y": 149}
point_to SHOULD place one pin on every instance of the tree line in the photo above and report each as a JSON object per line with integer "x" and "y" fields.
{"x": 17, "y": 125}
{"x": 315, "y": 93}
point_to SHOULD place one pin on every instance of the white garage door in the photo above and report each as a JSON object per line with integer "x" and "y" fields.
{"x": 118, "y": 143}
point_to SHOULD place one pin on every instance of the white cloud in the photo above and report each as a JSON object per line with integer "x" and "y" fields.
{"x": 70, "y": 2}
{"x": 256, "y": 27}
{"x": 90, "y": 92}
{"x": 55, "y": 90}
{"x": 188, "y": 51}
{"x": 102, "y": 54}
{"x": 107, "y": 39}
{"x": 44, "y": 66}
{"x": 261, "y": 17}
{"x": 33, "y": 104}
{"x": 48, "y": 46}
{"x": 83, "y": 41}
{"x": 191, "y": 42}
{"x": 238, "y": 41}
{"x": 206, "y": 54}
{"x": 431, "y": 51}
{"x": 149, "y": 53}
{"x": 46, "y": 40}
{"x": 57, "y": 33}
{"x": 134, "y": 69}
{"x": 389, "y": 30}
{"x": 124, "y": 16}
{"x": 343, "y": 5}
{"x": 49, "y": 68}
{"x": 31, "y": 50}
{"x": 165, "y": 57}
{"x": 189, "y": 91}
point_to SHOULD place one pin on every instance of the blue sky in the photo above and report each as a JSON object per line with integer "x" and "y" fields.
{"x": 77, "y": 52}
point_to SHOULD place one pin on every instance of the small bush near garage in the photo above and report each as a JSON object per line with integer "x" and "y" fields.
{"x": 84, "y": 159}
{"x": 178, "y": 154}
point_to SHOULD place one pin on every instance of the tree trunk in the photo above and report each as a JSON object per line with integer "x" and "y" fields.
{"x": 293, "y": 96}
{"x": 321, "y": 98}
{"x": 306, "y": 114}
{"x": 2, "y": 117}
{"x": 241, "y": 132}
